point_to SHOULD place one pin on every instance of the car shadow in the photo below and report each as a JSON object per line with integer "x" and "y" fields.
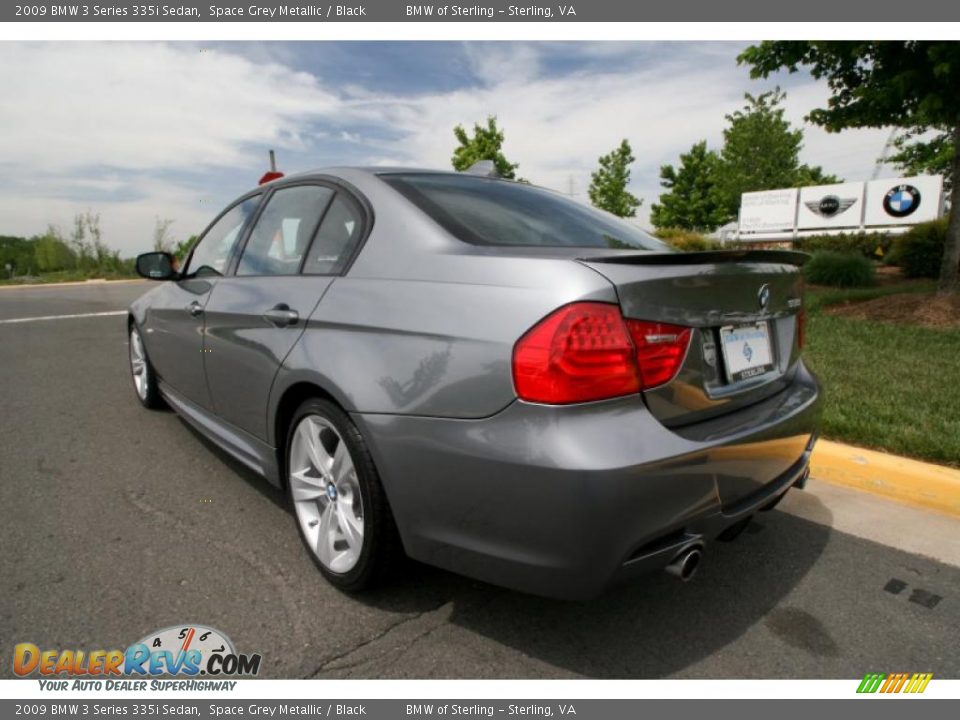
{"x": 274, "y": 494}
{"x": 651, "y": 627}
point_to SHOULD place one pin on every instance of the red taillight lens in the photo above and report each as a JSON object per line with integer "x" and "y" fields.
{"x": 580, "y": 352}
{"x": 801, "y": 328}
{"x": 660, "y": 350}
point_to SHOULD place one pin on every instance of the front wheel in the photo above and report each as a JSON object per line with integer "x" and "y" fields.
{"x": 144, "y": 379}
{"x": 339, "y": 503}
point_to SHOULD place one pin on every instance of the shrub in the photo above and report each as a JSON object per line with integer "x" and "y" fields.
{"x": 687, "y": 240}
{"x": 839, "y": 270}
{"x": 919, "y": 251}
{"x": 864, "y": 243}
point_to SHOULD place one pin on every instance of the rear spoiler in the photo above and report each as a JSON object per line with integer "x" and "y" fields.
{"x": 709, "y": 257}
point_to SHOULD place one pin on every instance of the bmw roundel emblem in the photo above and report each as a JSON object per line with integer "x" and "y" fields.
{"x": 763, "y": 296}
{"x": 901, "y": 201}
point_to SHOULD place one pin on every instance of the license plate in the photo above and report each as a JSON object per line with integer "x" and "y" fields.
{"x": 746, "y": 350}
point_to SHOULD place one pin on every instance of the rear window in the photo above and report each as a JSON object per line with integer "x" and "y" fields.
{"x": 488, "y": 211}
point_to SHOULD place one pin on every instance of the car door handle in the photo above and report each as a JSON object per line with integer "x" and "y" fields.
{"x": 281, "y": 315}
{"x": 195, "y": 309}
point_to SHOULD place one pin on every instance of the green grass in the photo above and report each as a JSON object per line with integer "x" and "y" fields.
{"x": 890, "y": 387}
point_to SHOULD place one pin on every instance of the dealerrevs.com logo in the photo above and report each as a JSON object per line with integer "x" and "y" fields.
{"x": 181, "y": 651}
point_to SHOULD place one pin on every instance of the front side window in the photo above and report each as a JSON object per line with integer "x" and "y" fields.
{"x": 283, "y": 231}
{"x": 488, "y": 211}
{"x": 212, "y": 253}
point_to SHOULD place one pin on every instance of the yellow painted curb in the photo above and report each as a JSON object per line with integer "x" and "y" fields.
{"x": 909, "y": 481}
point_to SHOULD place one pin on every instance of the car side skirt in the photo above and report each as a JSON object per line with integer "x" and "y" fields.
{"x": 249, "y": 450}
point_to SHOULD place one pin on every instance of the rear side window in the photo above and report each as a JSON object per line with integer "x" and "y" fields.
{"x": 338, "y": 235}
{"x": 283, "y": 231}
{"x": 487, "y": 211}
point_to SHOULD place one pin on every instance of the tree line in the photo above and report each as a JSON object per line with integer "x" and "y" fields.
{"x": 907, "y": 85}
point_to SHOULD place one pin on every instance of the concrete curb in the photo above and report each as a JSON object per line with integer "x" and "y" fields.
{"x": 73, "y": 283}
{"x": 921, "y": 484}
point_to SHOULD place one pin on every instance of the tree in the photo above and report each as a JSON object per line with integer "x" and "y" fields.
{"x": 608, "y": 185}
{"x": 908, "y": 84}
{"x": 931, "y": 157}
{"x": 51, "y": 253}
{"x": 761, "y": 151}
{"x": 485, "y": 144}
{"x": 691, "y": 201}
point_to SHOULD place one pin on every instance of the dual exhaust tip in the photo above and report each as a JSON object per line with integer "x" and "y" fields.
{"x": 685, "y": 565}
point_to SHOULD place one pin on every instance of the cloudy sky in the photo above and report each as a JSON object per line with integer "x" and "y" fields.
{"x": 176, "y": 130}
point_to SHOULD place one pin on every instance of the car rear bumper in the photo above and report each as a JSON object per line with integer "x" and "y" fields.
{"x": 562, "y": 501}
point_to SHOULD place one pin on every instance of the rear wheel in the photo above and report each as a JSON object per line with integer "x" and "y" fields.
{"x": 339, "y": 503}
{"x": 144, "y": 379}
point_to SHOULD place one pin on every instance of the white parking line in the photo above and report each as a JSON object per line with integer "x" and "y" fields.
{"x": 62, "y": 317}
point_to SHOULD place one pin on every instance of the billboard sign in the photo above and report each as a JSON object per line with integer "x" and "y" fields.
{"x": 830, "y": 206}
{"x": 768, "y": 211}
{"x": 904, "y": 201}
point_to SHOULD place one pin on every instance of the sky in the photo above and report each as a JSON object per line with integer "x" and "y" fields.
{"x": 176, "y": 130}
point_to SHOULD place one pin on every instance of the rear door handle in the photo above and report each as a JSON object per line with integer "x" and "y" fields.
{"x": 281, "y": 315}
{"x": 195, "y": 309}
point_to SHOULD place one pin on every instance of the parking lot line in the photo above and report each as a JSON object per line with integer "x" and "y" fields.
{"x": 11, "y": 321}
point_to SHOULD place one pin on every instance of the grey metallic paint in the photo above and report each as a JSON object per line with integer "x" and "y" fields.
{"x": 415, "y": 340}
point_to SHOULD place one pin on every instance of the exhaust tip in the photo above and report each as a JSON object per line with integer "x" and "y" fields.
{"x": 686, "y": 564}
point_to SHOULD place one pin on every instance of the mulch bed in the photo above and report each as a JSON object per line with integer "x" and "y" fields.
{"x": 933, "y": 311}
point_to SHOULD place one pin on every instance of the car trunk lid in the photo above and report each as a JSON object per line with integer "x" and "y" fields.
{"x": 743, "y": 307}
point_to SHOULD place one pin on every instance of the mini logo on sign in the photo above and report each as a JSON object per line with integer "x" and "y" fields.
{"x": 830, "y": 205}
{"x": 901, "y": 201}
{"x": 763, "y": 296}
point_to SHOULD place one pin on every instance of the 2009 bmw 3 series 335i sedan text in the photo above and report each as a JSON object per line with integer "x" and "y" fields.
{"x": 484, "y": 375}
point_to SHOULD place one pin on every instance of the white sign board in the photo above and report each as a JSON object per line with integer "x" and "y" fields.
{"x": 768, "y": 211}
{"x": 904, "y": 201}
{"x": 830, "y": 206}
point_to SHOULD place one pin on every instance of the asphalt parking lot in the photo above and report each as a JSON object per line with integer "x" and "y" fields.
{"x": 117, "y": 521}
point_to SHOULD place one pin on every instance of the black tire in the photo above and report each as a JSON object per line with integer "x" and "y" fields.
{"x": 381, "y": 547}
{"x": 148, "y": 394}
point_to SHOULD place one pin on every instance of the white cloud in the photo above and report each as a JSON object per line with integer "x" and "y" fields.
{"x": 160, "y": 112}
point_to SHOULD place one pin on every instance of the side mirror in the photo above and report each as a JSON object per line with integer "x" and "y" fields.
{"x": 156, "y": 266}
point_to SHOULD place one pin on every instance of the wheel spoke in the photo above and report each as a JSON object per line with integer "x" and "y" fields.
{"x": 342, "y": 465}
{"x": 350, "y": 525}
{"x": 319, "y": 457}
{"x": 327, "y": 535}
{"x": 306, "y": 488}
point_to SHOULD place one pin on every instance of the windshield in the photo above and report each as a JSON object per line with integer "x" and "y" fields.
{"x": 489, "y": 211}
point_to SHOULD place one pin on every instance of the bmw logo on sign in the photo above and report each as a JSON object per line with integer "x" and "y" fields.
{"x": 901, "y": 201}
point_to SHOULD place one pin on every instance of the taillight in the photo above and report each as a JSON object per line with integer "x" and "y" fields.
{"x": 801, "y": 328}
{"x": 660, "y": 350}
{"x": 580, "y": 352}
{"x": 587, "y": 351}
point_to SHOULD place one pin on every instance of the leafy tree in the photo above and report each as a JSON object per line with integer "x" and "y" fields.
{"x": 931, "y": 157}
{"x": 608, "y": 185}
{"x": 808, "y": 175}
{"x": 761, "y": 151}
{"x": 51, "y": 253}
{"x": 18, "y": 253}
{"x": 485, "y": 144}
{"x": 692, "y": 201}
{"x": 909, "y": 84}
